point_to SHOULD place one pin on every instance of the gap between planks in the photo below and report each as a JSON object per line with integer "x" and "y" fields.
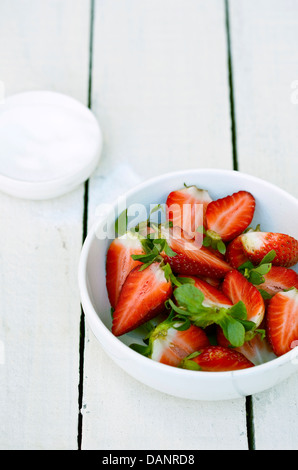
{"x": 85, "y": 231}
{"x": 249, "y": 403}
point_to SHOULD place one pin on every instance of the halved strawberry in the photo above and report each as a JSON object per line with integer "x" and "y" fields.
{"x": 282, "y": 321}
{"x": 228, "y": 217}
{"x": 257, "y": 349}
{"x": 186, "y": 208}
{"x": 258, "y": 244}
{"x": 235, "y": 254}
{"x": 217, "y": 359}
{"x": 193, "y": 259}
{"x": 236, "y": 287}
{"x": 213, "y": 296}
{"x": 142, "y": 297}
{"x": 119, "y": 263}
{"x": 278, "y": 279}
{"x": 170, "y": 346}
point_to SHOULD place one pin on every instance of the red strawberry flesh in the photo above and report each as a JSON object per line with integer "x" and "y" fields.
{"x": 213, "y": 296}
{"x": 257, "y": 350}
{"x": 235, "y": 255}
{"x": 236, "y": 287}
{"x": 231, "y": 215}
{"x": 175, "y": 345}
{"x": 192, "y": 259}
{"x": 142, "y": 298}
{"x": 186, "y": 208}
{"x": 278, "y": 279}
{"x": 282, "y": 321}
{"x": 119, "y": 263}
{"x": 221, "y": 359}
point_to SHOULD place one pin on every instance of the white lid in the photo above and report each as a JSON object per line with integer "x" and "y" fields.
{"x": 49, "y": 144}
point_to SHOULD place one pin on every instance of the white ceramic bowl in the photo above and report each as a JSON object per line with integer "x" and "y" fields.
{"x": 275, "y": 210}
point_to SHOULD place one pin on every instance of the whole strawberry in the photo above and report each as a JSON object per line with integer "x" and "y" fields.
{"x": 258, "y": 244}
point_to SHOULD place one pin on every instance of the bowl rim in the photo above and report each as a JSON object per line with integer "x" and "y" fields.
{"x": 95, "y": 321}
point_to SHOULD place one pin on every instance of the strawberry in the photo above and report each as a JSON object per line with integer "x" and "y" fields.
{"x": 216, "y": 359}
{"x": 186, "y": 208}
{"x": 230, "y": 216}
{"x": 278, "y": 279}
{"x": 258, "y": 244}
{"x": 169, "y": 345}
{"x": 193, "y": 259}
{"x": 236, "y": 287}
{"x": 213, "y": 296}
{"x": 235, "y": 254}
{"x": 119, "y": 264}
{"x": 282, "y": 321}
{"x": 142, "y": 297}
{"x": 257, "y": 349}
{"x": 192, "y": 306}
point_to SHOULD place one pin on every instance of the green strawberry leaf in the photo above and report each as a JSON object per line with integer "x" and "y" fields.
{"x": 189, "y": 365}
{"x": 233, "y": 320}
{"x": 189, "y": 297}
{"x": 144, "y": 350}
{"x": 255, "y": 274}
{"x": 269, "y": 257}
{"x": 233, "y": 330}
{"x": 265, "y": 295}
{"x": 121, "y": 224}
{"x": 221, "y": 247}
{"x": 185, "y": 280}
{"x": 213, "y": 240}
{"x": 201, "y": 229}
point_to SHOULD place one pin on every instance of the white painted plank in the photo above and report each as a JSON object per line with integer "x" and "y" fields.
{"x": 160, "y": 85}
{"x": 161, "y": 94}
{"x": 45, "y": 45}
{"x": 264, "y": 35}
{"x": 119, "y": 413}
{"x": 40, "y": 313}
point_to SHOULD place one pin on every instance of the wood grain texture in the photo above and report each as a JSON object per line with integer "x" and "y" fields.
{"x": 160, "y": 91}
{"x": 45, "y": 45}
{"x": 264, "y": 37}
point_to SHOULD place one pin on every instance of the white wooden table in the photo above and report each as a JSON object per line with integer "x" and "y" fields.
{"x": 175, "y": 84}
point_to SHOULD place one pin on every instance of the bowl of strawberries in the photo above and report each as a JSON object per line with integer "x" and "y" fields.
{"x": 189, "y": 282}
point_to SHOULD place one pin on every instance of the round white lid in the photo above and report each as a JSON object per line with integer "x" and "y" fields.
{"x": 49, "y": 144}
